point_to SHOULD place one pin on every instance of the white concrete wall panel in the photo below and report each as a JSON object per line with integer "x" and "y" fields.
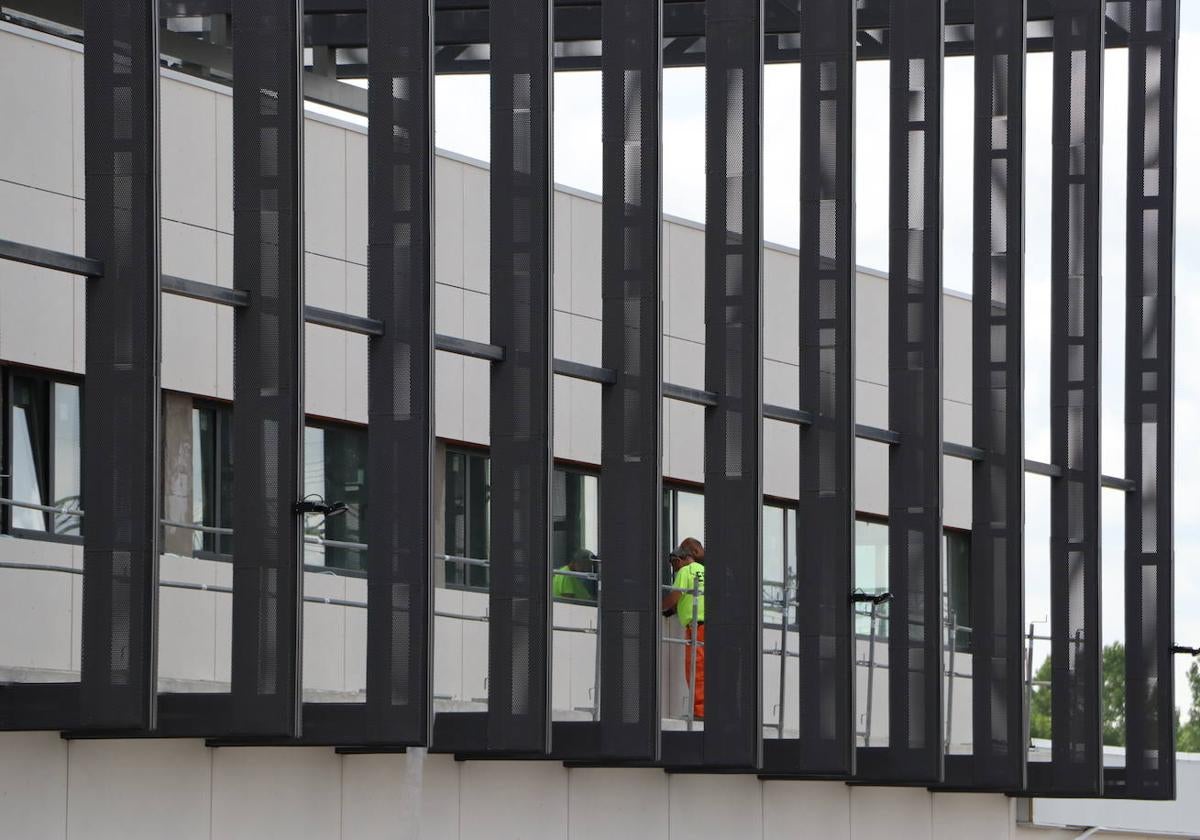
{"x": 130, "y": 790}
{"x": 976, "y": 815}
{"x": 325, "y": 189}
{"x": 817, "y": 810}
{"x": 505, "y": 800}
{"x": 628, "y": 804}
{"x": 448, "y": 222}
{"x": 33, "y": 784}
{"x": 38, "y": 153}
{"x": 400, "y": 797}
{"x": 188, "y": 129}
{"x": 715, "y": 806}
{"x": 883, "y": 812}
{"x": 262, "y": 792}
{"x": 39, "y": 320}
{"x": 476, "y": 230}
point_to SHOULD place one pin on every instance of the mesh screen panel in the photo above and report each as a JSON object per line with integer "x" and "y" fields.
{"x": 400, "y": 371}
{"x": 733, "y": 371}
{"x": 631, "y": 421}
{"x": 1149, "y": 412}
{"x": 825, "y": 521}
{"x": 120, "y": 424}
{"x": 914, "y": 750}
{"x": 518, "y": 717}
{"x": 1075, "y": 398}
{"x": 998, "y": 481}
{"x": 268, "y": 355}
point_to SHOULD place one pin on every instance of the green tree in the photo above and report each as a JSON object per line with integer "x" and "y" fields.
{"x": 1112, "y": 698}
{"x": 1187, "y": 735}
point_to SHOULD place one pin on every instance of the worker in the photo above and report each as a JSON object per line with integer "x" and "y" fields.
{"x": 687, "y": 562}
{"x": 574, "y": 588}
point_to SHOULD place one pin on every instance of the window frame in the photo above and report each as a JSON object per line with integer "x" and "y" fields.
{"x": 223, "y": 411}
{"x": 48, "y": 378}
{"x": 467, "y": 450}
{"x": 587, "y": 470}
{"x": 325, "y": 424}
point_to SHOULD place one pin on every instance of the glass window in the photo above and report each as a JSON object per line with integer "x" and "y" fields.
{"x": 957, "y": 551}
{"x": 683, "y": 516}
{"x": 44, "y": 454}
{"x": 466, "y": 525}
{"x": 212, "y": 477}
{"x": 871, "y": 573}
{"x": 779, "y": 564}
{"x": 574, "y": 541}
{"x": 335, "y": 467}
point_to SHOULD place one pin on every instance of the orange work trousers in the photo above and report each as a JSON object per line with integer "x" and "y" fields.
{"x": 697, "y": 684}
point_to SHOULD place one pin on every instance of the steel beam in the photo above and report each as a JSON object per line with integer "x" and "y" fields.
{"x": 733, "y": 371}
{"x": 268, "y": 396}
{"x": 400, "y": 441}
{"x": 519, "y": 629}
{"x": 121, "y": 429}
{"x": 997, "y": 760}
{"x": 631, "y": 408}
{"x": 1076, "y": 766}
{"x": 1149, "y": 409}
{"x": 825, "y": 516}
{"x": 914, "y": 748}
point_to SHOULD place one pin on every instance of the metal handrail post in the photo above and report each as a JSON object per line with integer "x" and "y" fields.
{"x": 1028, "y": 684}
{"x": 783, "y": 653}
{"x": 692, "y": 642}
{"x": 596, "y": 659}
{"x": 870, "y": 675}
{"x": 952, "y": 626}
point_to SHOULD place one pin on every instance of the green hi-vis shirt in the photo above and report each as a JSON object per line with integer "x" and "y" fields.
{"x": 687, "y": 577}
{"x": 566, "y": 586}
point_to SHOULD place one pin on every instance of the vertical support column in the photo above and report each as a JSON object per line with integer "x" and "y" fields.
{"x": 1076, "y": 764}
{"x": 733, "y": 372}
{"x": 997, "y": 364}
{"x": 268, "y": 360}
{"x": 825, "y": 520}
{"x": 915, "y": 668}
{"x": 631, "y": 431}
{"x": 400, "y": 372}
{"x": 121, "y": 409}
{"x": 1149, "y": 412}
{"x": 519, "y": 630}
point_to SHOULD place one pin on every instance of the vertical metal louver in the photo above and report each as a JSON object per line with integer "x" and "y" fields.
{"x": 914, "y": 750}
{"x": 268, "y": 358}
{"x": 400, "y": 372}
{"x": 121, "y": 406}
{"x": 825, "y": 521}
{"x": 733, "y": 372}
{"x": 631, "y": 430}
{"x": 1076, "y": 765}
{"x": 1149, "y": 407}
{"x": 998, "y": 478}
{"x": 518, "y": 715}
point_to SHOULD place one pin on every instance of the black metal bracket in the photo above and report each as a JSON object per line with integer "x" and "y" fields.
{"x": 1190, "y": 651}
{"x": 859, "y": 597}
{"x": 319, "y": 505}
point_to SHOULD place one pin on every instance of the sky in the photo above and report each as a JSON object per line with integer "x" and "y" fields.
{"x": 462, "y": 126}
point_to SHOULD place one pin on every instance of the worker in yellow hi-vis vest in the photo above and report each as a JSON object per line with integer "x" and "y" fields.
{"x": 687, "y": 563}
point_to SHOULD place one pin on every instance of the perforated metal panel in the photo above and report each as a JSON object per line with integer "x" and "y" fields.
{"x": 825, "y": 521}
{"x": 268, "y": 357}
{"x": 631, "y": 422}
{"x": 733, "y": 372}
{"x": 914, "y": 750}
{"x": 997, "y": 364}
{"x": 518, "y": 716}
{"x": 1075, "y": 400}
{"x": 1149, "y": 411}
{"x": 400, "y": 372}
{"x": 120, "y": 449}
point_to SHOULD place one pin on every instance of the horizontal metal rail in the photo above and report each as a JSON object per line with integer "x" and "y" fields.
{"x": 46, "y": 258}
{"x": 225, "y": 296}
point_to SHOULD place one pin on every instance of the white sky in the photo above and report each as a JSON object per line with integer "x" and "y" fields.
{"x": 462, "y": 126}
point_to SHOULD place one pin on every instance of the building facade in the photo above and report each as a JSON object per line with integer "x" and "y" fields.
{"x": 89, "y": 786}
